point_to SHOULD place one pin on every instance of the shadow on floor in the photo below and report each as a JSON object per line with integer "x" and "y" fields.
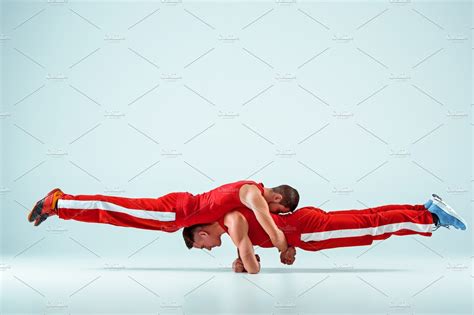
{"x": 263, "y": 270}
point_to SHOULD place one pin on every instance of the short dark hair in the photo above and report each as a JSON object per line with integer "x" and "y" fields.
{"x": 188, "y": 234}
{"x": 291, "y": 197}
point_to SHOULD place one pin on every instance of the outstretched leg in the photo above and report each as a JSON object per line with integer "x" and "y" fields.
{"x": 323, "y": 230}
{"x": 146, "y": 213}
{"x": 417, "y": 207}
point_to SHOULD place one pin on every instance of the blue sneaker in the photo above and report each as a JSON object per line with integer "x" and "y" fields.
{"x": 446, "y": 215}
{"x": 428, "y": 203}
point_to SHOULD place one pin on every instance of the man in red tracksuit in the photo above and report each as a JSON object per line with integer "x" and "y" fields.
{"x": 313, "y": 229}
{"x": 173, "y": 211}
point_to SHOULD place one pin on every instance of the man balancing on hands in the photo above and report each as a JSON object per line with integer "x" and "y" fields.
{"x": 175, "y": 210}
{"x": 313, "y": 229}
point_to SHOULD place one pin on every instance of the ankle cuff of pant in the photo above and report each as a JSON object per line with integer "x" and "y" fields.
{"x": 428, "y": 204}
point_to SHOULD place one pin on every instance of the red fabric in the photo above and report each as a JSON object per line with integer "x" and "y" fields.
{"x": 212, "y": 205}
{"x": 190, "y": 209}
{"x": 167, "y": 203}
{"x": 311, "y": 220}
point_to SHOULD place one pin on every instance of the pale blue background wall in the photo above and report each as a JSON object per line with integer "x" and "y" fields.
{"x": 354, "y": 103}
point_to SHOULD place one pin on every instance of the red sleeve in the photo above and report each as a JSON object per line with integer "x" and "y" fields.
{"x": 221, "y": 223}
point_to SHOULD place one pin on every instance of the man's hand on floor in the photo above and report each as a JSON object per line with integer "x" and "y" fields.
{"x": 288, "y": 257}
{"x": 238, "y": 265}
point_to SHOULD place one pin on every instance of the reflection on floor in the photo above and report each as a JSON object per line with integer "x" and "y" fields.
{"x": 365, "y": 285}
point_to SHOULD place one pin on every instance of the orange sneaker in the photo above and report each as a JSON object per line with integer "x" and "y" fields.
{"x": 45, "y": 207}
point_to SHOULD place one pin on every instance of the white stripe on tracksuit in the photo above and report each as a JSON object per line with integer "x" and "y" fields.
{"x": 378, "y": 230}
{"x": 104, "y": 205}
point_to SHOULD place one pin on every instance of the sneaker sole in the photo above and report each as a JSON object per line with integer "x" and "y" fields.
{"x": 40, "y": 219}
{"x": 34, "y": 214}
{"x": 446, "y": 208}
{"x": 436, "y": 197}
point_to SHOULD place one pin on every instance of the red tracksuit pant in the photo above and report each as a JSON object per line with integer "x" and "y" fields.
{"x": 324, "y": 230}
{"x": 162, "y": 213}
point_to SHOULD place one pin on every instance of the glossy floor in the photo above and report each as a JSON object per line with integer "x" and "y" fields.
{"x": 365, "y": 284}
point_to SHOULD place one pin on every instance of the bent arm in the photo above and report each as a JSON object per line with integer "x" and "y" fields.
{"x": 251, "y": 197}
{"x": 238, "y": 232}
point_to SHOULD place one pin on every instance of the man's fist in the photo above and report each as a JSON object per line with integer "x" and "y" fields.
{"x": 257, "y": 257}
{"x": 238, "y": 265}
{"x": 288, "y": 257}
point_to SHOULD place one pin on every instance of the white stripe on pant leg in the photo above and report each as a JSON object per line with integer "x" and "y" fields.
{"x": 378, "y": 230}
{"x": 104, "y": 205}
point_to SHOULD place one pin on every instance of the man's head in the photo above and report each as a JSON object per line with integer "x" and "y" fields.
{"x": 283, "y": 198}
{"x": 202, "y": 236}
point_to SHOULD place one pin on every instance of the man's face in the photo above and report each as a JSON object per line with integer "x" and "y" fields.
{"x": 206, "y": 239}
{"x": 274, "y": 204}
{"x": 276, "y": 207}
